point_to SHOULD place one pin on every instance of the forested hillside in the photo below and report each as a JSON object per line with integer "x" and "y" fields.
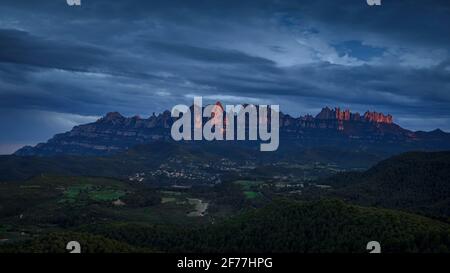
{"x": 287, "y": 226}
{"x": 416, "y": 181}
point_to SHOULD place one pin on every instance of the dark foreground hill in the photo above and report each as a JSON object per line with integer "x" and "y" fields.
{"x": 287, "y": 226}
{"x": 415, "y": 181}
{"x": 57, "y": 242}
{"x": 327, "y": 226}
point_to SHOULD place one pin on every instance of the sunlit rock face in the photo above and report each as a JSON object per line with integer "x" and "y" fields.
{"x": 346, "y": 115}
{"x": 378, "y": 117}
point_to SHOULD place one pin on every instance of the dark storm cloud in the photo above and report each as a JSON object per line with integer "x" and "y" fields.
{"x": 414, "y": 21}
{"x": 368, "y": 85}
{"x": 207, "y": 54}
{"x": 65, "y": 65}
{"x": 22, "y": 48}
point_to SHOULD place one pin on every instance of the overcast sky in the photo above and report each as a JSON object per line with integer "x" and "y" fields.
{"x": 61, "y": 66}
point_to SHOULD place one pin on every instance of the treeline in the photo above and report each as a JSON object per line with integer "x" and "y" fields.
{"x": 57, "y": 242}
{"x": 285, "y": 226}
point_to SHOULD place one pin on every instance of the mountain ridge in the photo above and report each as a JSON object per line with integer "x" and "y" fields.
{"x": 114, "y": 133}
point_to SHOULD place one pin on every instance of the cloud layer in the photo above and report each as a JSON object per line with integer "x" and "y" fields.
{"x": 62, "y": 65}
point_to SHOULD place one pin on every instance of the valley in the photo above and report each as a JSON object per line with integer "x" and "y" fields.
{"x": 47, "y": 204}
{"x": 337, "y": 181}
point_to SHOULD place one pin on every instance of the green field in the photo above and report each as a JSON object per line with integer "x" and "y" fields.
{"x": 252, "y": 194}
{"x": 94, "y": 193}
{"x": 73, "y": 192}
{"x": 51, "y": 202}
{"x": 250, "y": 188}
{"x": 248, "y": 184}
{"x": 106, "y": 195}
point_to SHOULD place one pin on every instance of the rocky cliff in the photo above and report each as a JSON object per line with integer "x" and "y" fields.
{"x": 331, "y": 127}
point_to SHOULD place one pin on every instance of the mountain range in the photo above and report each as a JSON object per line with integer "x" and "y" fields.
{"x": 370, "y": 132}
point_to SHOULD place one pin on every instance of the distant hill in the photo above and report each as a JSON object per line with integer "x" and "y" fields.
{"x": 371, "y": 132}
{"x": 414, "y": 181}
{"x": 147, "y": 157}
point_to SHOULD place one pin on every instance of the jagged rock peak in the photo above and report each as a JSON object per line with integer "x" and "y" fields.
{"x": 112, "y": 116}
{"x": 219, "y": 104}
{"x": 326, "y": 113}
{"x": 378, "y": 117}
{"x": 341, "y": 115}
